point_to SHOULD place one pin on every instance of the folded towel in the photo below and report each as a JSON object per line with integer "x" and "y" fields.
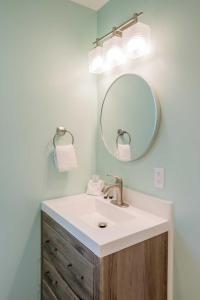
{"x": 124, "y": 152}
{"x": 65, "y": 157}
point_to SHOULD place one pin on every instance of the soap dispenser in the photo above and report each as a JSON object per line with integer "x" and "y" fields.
{"x": 95, "y": 186}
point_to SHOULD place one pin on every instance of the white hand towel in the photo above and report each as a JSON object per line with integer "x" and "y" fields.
{"x": 65, "y": 158}
{"x": 124, "y": 152}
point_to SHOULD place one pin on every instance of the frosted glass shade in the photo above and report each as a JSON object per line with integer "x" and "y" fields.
{"x": 113, "y": 52}
{"x": 136, "y": 40}
{"x": 96, "y": 60}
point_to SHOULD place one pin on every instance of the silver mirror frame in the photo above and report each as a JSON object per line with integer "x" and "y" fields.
{"x": 156, "y": 123}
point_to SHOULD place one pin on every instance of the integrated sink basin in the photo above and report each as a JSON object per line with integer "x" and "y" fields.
{"x": 92, "y": 211}
{"x": 103, "y": 227}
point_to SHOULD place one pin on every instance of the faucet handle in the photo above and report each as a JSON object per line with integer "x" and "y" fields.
{"x": 117, "y": 178}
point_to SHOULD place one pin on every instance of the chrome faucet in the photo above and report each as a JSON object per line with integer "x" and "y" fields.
{"x": 118, "y": 186}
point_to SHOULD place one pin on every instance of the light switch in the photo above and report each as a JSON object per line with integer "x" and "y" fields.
{"x": 159, "y": 178}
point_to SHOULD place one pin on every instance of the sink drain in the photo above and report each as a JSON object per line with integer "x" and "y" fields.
{"x": 102, "y": 225}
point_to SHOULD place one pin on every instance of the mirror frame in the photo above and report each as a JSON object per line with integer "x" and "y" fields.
{"x": 156, "y": 123}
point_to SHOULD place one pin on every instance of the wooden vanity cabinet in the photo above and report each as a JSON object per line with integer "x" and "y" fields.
{"x": 70, "y": 271}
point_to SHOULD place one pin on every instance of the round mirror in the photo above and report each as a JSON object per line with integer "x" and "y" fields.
{"x": 129, "y": 117}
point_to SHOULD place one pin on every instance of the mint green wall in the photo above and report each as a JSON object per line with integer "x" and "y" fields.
{"x": 173, "y": 71}
{"x": 44, "y": 82}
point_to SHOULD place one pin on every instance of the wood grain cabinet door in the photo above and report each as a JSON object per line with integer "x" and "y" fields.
{"x": 136, "y": 273}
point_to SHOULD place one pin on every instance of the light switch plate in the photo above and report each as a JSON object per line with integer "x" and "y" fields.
{"x": 159, "y": 178}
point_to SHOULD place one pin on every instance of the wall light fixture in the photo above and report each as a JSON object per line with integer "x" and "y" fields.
{"x": 129, "y": 40}
{"x": 96, "y": 60}
{"x": 113, "y": 51}
{"x": 136, "y": 40}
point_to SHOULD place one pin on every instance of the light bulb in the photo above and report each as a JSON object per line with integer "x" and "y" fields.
{"x": 136, "y": 40}
{"x": 96, "y": 60}
{"x": 113, "y": 52}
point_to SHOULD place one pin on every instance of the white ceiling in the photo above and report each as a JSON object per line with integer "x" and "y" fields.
{"x": 93, "y": 4}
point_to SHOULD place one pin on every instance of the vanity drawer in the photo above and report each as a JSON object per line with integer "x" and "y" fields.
{"x": 80, "y": 248}
{"x": 47, "y": 293}
{"x": 73, "y": 267}
{"x": 54, "y": 287}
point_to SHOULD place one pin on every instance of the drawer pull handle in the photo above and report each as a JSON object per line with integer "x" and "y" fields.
{"x": 53, "y": 282}
{"x": 55, "y": 249}
{"x": 69, "y": 265}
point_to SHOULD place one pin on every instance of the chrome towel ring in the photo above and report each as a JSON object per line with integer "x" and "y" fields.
{"x": 120, "y": 133}
{"x": 60, "y": 131}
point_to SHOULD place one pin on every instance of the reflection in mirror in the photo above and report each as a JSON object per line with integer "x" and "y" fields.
{"x": 129, "y": 117}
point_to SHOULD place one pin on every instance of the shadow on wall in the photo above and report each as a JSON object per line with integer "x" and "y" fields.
{"x": 185, "y": 262}
{"x": 29, "y": 264}
{"x": 55, "y": 180}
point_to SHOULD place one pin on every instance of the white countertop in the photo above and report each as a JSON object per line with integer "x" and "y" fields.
{"x": 80, "y": 215}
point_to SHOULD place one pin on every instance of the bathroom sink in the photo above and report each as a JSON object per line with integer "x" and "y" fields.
{"x": 103, "y": 227}
{"x": 92, "y": 211}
